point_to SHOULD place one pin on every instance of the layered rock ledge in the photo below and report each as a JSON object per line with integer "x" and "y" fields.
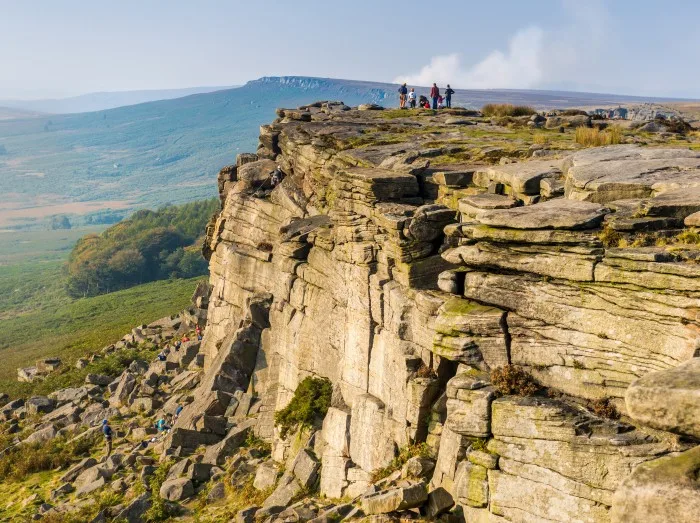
{"x": 405, "y": 265}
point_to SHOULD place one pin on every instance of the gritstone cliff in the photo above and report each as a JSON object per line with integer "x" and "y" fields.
{"x": 504, "y": 332}
{"x": 405, "y": 285}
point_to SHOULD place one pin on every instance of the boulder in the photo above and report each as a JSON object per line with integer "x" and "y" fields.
{"x": 134, "y": 511}
{"x": 65, "y": 488}
{"x": 179, "y": 469}
{"x": 125, "y": 385}
{"x": 287, "y": 488}
{"x": 664, "y": 489}
{"x": 668, "y": 399}
{"x": 91, "y": 474}
{"x": 606, "y": 174}
{"x": 523, "y": 177}
{"x": 98, "y": 379}
{"x": 216, "y": 454}
{"x": 418, "y": 467}
{"x": 395, "y": 499}
{"x": 217, "y": 492}
{"x": 199, "y": 472}
{"x": 27, "y": 374}
{"x": 439, "y": 502}
{"x": 176, "y": 489}
{"x": 552, "y": 214}
{"x": 266, "y": 475}
{"x": 579, "y": 120}
{"x": 89, "y": 487}
{"x": 246, "y": 515}
{"x": 39, "y": 405}
{"x": 43, "y": 434}
{"x": 77, "y": 469}
{"x": 305, "y": 468}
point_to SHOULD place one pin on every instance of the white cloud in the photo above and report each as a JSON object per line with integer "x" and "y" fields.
{"x": 569, "y": 54}
{"x": 518, "y": 68}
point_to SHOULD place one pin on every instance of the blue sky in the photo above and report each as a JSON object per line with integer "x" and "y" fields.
{"x": 67, "y": 47}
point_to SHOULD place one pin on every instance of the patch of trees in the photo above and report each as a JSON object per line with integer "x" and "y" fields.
{"x": 150, "y": 245}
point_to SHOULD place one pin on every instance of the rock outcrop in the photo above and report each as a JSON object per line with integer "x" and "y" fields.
{"x": 505, "y": 340}
{"x": 382, "y": 282}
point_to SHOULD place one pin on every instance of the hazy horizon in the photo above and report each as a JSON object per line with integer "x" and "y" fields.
{"x": 77, "y": 47}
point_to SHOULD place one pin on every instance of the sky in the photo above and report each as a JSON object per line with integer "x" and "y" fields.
{"x": 640, "y": 47}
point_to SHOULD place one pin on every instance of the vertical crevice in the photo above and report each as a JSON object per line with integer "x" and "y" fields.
{"x": 506, "y": 334}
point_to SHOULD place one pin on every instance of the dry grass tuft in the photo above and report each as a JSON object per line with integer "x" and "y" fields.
{"x": 541, "y": 139}
{"x": 511, "y": 379}
{"x": 594, "y": 137}
{"x": 506, "y": 110}
{"x": 604, "y": 409}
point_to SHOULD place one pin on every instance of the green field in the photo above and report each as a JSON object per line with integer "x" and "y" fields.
{"x": 39, "y": 318}
{"x": 72, "y": 329}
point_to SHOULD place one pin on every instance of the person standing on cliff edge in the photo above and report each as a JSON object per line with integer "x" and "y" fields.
{"x": 434, "y": 94}
{"x": 403, "y": 91}
{"x": 448, "y": 96}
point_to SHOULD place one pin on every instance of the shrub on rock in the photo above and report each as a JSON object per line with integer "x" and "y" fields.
{"x": 311, "y": 401}
{"x": 511, "y": 379}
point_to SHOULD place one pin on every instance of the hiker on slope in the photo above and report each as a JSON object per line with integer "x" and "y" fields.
{"x": 107, "y": 431}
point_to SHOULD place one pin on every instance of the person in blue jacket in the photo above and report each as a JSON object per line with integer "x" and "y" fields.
{"x": 403, "y": 92}
{"x": 107, "y": 431}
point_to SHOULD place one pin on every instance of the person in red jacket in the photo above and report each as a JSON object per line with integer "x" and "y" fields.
{"x": 434, "y": 94}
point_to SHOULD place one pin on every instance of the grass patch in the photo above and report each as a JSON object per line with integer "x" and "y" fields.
{"x": 511, "y": 379}
{"x": 541, "y": 138}
{"x": 71, "y": 330}
{"x": 405, "y": 453}
{"x": 506, "y": 110}
{"x": 609, "y": 237}
{"x": 159, "y": 510}
{"x": 594, "y": 137}
{"x": 20, "y": 461}
{"x": 688, "y": 237}
{"x": 310, "y": 402}
{"x": 104, "y": 499}
{"x": 254, "y": 442}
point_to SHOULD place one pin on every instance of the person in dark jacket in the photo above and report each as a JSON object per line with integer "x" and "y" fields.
{"x": 434, "y": 94}
{"x": 403, "y": 91}
{"x": 448, "y": 96}
{"x": 107, "y": 431}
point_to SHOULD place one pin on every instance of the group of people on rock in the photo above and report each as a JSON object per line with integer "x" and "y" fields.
{"x": 407, "y": 96}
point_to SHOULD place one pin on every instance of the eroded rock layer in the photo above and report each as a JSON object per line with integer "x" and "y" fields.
{"x": 407, "y": 281}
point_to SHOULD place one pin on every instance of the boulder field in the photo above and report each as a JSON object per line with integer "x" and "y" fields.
{"x": 531, "y": 325}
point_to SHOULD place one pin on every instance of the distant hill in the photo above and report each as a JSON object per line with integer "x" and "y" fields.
{"x": 104, "y": 100}
{"x": 12, "y": 113}
{"x": 150, "y": 154}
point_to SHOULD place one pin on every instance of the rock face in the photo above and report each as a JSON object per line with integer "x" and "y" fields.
{"x": 347, "y": 253}
{"x": 496, "y": 324}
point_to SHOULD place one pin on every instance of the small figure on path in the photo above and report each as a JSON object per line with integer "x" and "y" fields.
{"x": 412, "y": 98}
{"x": 434, "y": 94}
{"x": 178, "y": 410}
{"x": 276, "y": 176}
{"x": 448, "y": 96}
{"x": 403, "y": 91}
{"x": 107, "y": 431}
